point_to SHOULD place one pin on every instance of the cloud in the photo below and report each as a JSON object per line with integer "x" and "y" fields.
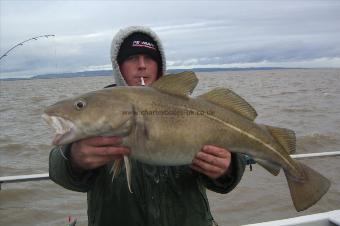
{"x": 200, "y": 33}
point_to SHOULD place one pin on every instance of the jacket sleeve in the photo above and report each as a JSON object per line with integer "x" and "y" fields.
{"x": 61, "y": 172}
{"x": 229, "y": 181}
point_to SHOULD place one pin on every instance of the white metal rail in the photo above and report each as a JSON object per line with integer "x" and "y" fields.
{"x": 45, "y": 176}
{"x": 24, "y": 178}
{"x": 313, "y": 155}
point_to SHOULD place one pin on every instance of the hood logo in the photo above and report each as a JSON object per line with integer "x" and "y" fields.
{"x": 143, "y": 44}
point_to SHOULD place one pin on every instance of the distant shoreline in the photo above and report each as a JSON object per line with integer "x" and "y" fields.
{"x": 109, "y": 72}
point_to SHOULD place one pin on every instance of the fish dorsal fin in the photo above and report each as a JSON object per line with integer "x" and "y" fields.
{"x": 180, "y": 84}
{"x": 230, "y": 100}
{"x": 285, "y": 137}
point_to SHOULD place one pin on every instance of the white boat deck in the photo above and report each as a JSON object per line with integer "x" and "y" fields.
{"x": 331, "y": 218}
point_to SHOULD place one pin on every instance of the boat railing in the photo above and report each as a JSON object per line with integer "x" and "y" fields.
{"x": 45, "y": 176}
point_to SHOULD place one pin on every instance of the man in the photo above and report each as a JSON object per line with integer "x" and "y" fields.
{"x": 162, "y": 195}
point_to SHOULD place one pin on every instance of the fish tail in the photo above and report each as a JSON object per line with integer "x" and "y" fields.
{"x": 309, "y": 189}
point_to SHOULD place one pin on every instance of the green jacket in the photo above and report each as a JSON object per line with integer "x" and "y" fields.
{"x": 162, "y": 195}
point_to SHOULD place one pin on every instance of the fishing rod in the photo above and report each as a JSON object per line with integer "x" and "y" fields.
{"x": 250, "y": 161}
{"x": 22, "y": 43}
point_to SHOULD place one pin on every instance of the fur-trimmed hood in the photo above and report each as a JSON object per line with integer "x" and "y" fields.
{"x": 117, "y": 42}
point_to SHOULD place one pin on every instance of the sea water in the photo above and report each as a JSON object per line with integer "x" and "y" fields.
{"x": 304, "y": 100}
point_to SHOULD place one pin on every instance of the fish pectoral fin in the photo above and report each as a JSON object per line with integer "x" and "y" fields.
{"x": 116, "y": 168}
{"x": 269, "y": 166}
{"x": 180, "y": 84}
{"x": 306, "y": 191}
{"x": 141, "y": 131}
{"x": 128, "y": 171}
{"x": 226, "y": 98}
{"x": 285, "y": 137}
{"x": 122, "y": 130}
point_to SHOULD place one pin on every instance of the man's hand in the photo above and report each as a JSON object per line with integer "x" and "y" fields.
{"x": 212, "y": 161}
{"x": 94, "y": 152}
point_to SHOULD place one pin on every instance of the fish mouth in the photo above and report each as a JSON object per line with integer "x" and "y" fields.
{"x": 64, "y": 129}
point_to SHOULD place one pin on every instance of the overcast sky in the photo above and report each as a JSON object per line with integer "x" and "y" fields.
{"x": 194, "y": 34}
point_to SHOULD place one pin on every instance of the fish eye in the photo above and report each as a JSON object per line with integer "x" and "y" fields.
{"x": 80, "y": 104}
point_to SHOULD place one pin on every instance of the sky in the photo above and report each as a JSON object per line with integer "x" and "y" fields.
{"x": 194, "y": 33}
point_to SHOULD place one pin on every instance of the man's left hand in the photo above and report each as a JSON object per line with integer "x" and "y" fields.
{"x": 212, "y": 161}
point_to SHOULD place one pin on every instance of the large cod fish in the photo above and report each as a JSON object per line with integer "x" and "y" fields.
{"x": 162, "y": 125}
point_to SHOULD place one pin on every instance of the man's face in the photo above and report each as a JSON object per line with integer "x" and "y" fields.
{"x": 137, "y": 66}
